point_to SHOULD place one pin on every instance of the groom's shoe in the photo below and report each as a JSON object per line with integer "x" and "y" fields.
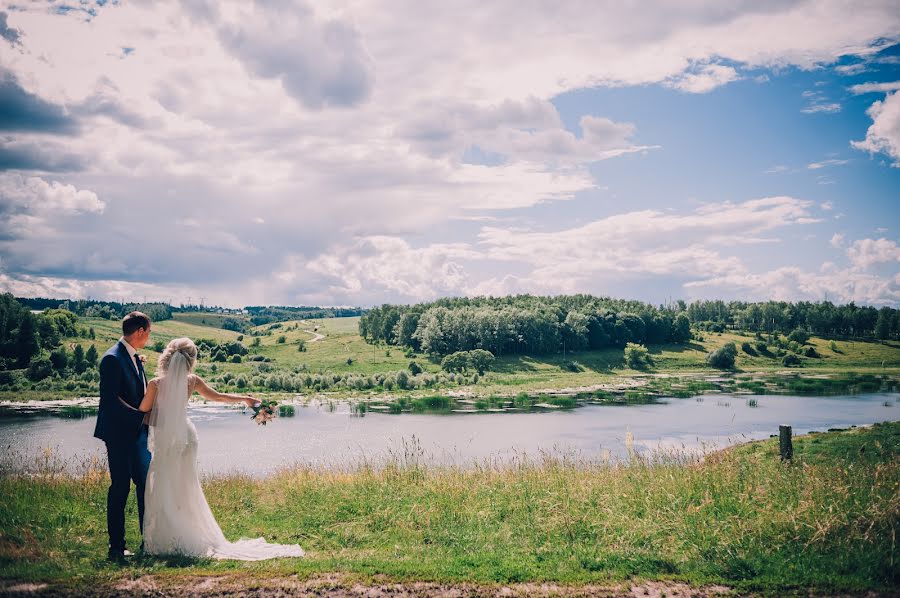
{"x": 118, "y": 556}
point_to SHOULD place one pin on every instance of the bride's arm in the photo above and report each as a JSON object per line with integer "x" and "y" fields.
{"x": 149, "y": 397}
{"x": 212, "y": 395}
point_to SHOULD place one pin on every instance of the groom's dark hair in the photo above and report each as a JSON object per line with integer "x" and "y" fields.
{"x": 134, "y": 322}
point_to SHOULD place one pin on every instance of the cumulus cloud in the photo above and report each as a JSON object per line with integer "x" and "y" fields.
{"x": 704, "y": 79}
{"x": 320, "y": 62}
{"x": 865, "y": 253}
{"x": 21, "y": 110}
{"x": 883, "y": 135}
{"x": 10, "y": 34}
{"x": 791, "y": 283}
{"x": 34, "y": 194}
{"x": 290, "y": 127}
{"x": 637, "y": 245}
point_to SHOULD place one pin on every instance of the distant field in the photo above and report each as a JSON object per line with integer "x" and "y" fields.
{"x": 205, "y": 319}
{"x": 342, "y": 350}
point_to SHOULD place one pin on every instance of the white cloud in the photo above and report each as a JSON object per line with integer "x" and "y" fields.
{"x": 34, "y": 194}
{"x": 851, "y": 69}
{"x": 286, "y": 132}
{"x": 704, "y": 79}
{"x": 791, "y": 283}
{"x": 828, "y": 108}
{"x": 837, "y": 240}
{"x": 826, "y": 163}
{"x": 865, "y": 253}
{"x": 883, "y": 136}
{"x": 827, "y": 206}
{"x": 875, "y": 87}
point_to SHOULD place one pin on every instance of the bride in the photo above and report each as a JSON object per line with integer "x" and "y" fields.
{"x": 177, "y": 518}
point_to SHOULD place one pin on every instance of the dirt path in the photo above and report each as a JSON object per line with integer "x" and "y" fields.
{"x": 316, "y": 336}
{"x": 341, "y": 586}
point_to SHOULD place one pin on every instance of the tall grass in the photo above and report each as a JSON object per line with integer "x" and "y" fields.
{"x": 739, "y": 517}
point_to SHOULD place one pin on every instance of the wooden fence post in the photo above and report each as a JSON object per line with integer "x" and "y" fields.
{"x": 785, "y": 446}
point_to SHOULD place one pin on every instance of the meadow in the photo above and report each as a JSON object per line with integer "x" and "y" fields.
{"x": 341, "y": 364}
{"x": 739, "y": 519}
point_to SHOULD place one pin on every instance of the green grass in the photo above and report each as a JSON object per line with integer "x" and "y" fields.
{"x": 741, "y": 518}
{"x": 344, "y": 351}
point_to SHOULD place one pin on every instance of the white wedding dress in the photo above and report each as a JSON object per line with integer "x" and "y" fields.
{"x": 177, "y": 518}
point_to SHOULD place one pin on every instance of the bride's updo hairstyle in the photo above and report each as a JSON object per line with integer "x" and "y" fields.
{"x": 185, "y": 347}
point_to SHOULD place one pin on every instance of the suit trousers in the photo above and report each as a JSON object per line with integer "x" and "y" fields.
{"x": 128, "y": 462}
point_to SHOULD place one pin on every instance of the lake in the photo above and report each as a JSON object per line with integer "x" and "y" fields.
{"x": 334, "y": 437}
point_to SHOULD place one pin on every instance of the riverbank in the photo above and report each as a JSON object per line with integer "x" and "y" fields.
{"x": 738, "y": 518}
{"x": 625, "y": 390}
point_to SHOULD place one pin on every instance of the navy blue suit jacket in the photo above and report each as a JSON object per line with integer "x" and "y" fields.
{"x": 119, "y": 380}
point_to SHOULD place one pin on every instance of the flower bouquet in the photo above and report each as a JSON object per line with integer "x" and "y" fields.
{"x": 264, "y": 412}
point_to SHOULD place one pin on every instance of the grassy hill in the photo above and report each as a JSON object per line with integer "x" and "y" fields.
{"x": 341, "y": 351}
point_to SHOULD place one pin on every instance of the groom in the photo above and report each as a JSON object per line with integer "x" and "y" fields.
{"x": 121, "y": 426}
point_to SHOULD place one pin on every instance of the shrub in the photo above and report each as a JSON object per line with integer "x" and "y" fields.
{"x": 799, "y": 336}
{"x": 301, "y": 346}
{"x": 349, "y": 361}
{"x": 281, "y": 339}
{"x": 254, "y": 342}
{"x": 415, "y": 368}
{"x": 402, "y": 379}
{"x": 572, "y": 366}
{"x": 811, "y": 352}
{"x": 235, "y": 359}
{"x": 790, "y": 360}
{"x": 39, "y": 368}
{"x": 723, "y": 357}
{"x": 481, "y": 360}
{"x": 636, "y": 356}
{"x": 455, "y": 362}
{"x": 747, "y": 348}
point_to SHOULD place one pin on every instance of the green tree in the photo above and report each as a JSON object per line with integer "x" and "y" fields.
{"x": 681, "y": 331}
{"x": 39, "y": 368}
{"x": 90, "y": 356}
{"x": 27, "y": 344}
{"x": 637, "y": 356}
{"x": 59, "y": 358}
{"x": 799, "y": 336}
{"x": 78, "y": 362}
{"x": 883, "y": 324}
{"x": 723, "y": 357}
{"x": 455, "y": 362}
{"x": 480, "y": 360}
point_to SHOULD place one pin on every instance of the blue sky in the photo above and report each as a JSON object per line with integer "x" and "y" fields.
{"x": 363, "y": 152}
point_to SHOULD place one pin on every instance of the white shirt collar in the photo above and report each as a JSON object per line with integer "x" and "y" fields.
{"x": 131, "y": 350}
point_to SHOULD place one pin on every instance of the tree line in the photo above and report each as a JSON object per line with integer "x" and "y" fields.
{"x": 523, "y": 324}
{"x": 108, "y": 310}
{"x": 822, "y": 319}
{"x": 528, "y": 324}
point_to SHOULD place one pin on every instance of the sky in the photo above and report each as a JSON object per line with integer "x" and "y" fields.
{"x": 359, "y": 152}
